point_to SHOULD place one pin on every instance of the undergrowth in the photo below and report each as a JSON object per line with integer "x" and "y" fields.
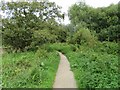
{"x": 29, "y": 69}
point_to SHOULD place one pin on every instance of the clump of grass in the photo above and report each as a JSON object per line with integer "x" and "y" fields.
{"x": 29, "y": 69}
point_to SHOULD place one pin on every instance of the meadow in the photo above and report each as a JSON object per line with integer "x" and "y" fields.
{"x": 29, "y": 69}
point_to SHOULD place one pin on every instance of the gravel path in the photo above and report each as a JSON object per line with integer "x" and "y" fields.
{"x": 64, "y": 77}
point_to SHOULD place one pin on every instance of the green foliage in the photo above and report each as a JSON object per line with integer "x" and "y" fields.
{"x": 29, "y": 70}
{"x": 107, "y": 47}
{"x": 61, "y": 34}
{"x": 49, "y": 35}
{"x": 94, "y": 69}
{"x": 33, "y": 26}
{"x": 104, "y": 20}
{"x": 18, "y": 38}
{"x": 41, "y": 53}
{"x": 63, "y": 47}
{"x": 109, "y": 34}
{"x": 27, "y": 20}
{"x": 45, "y": 9}
{"x": 41, "y": 37}
{"x": 82, "y": 36}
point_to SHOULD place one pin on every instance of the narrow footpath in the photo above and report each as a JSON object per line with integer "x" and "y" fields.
{"x": 64, "y": 76}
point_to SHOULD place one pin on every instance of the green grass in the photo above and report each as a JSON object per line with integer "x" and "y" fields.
{"x": 26, "y": 69}
{"x": 94, "y": 70}
{"x": 93, "y": 67}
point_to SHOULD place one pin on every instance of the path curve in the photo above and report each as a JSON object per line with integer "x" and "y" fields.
{"x": 64, "y": 77}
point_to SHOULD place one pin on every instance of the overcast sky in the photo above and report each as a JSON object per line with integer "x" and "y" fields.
{"x": 67, "y": 3}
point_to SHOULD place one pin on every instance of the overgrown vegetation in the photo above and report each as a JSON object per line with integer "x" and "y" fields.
{"x": 29, "y": 69}
{"x": 93, "y": 67}
{"x": 24, "y": 29}
{"x": 104, "y": 21}
{"x": 31, "y": 36}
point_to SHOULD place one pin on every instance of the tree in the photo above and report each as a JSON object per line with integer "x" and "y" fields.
{"x": 104, "y": 20}
{"x": 24, "y": 18}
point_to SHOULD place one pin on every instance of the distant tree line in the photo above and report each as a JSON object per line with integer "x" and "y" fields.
{"x": 29, "y": 25}
{"x": 105, "y": 21}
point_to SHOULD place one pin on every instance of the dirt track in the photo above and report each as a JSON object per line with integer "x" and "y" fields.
{"x": 64, "y": 77}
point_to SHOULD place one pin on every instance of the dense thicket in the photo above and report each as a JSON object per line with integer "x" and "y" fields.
{"x": 104, "y": 21}
{"x": 32, "y": 23}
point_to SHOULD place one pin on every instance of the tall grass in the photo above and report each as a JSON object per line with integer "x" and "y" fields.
{"x": 28, "y": 70}
{"x": 95, "y": 67}
{"x": 94, "y": 70}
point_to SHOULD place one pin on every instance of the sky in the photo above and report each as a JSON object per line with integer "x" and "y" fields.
{"x": 65, "y": 4}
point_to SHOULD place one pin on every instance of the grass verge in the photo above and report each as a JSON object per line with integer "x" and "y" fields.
{"x": 28, "y": 70}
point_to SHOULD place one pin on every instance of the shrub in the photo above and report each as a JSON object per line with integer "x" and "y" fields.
{"x": 41, "y": 37}
{"x": 17, "y": 38}
{"x": 108, "y": 47}
{"x": 94, "y": 69}
{"x": 83, "y": 36}
{"x": 110, "y": 34}
{"x": 63, "y": 47}
{"x": 61, "y": 34}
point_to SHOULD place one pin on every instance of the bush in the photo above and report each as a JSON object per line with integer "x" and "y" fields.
{"x": 111, "y": 33}
{"x": 48, "y": 35}
{"x": 17, "y": 38}
{"x": 108, "y": 47}
{"x": 61, "y": 34}
{"x": 82, "y": 36}
{"x": 94, "y": 69}
{"x": 41, "y": 37}
{"x": 63, "y": 47}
